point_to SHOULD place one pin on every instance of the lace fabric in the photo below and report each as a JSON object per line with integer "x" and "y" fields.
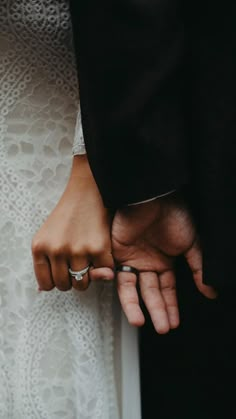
{"x": 56, "y": 349}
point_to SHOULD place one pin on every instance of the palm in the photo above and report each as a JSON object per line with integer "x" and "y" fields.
{"x": 165, "y": 231}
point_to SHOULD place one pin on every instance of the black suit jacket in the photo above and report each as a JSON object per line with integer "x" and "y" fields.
{"x": 158, "y": 97}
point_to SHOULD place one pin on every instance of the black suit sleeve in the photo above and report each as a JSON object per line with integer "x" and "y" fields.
{"x": 130, "y": 56}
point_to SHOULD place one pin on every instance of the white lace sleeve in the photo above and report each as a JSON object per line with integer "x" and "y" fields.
{"x": 78, "y": 145}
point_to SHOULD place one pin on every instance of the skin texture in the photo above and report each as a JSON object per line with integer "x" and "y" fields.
{"x": 149, "y": 237}
{"x": 80, "y": 231}
{"x": 76, "y": 233}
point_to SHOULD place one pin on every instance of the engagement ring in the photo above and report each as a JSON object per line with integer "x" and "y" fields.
{"x": 78, "y": 275}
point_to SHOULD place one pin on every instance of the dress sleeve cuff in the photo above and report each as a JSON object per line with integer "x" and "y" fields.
{"x": 152, "y": 199}
{"x": 78, "y": 145}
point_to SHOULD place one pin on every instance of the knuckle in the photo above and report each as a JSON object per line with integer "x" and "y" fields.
{"x": 74, "y": 252}
{"x": 168, "y": 286}
{"x": 99, "y": 245}
{"x": 57, "y": 250}
{"x": 37, "y": 246}
{"x": 95, "y": 250}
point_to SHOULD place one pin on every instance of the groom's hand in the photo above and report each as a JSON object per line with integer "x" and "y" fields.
{"x": 149, "y": 237}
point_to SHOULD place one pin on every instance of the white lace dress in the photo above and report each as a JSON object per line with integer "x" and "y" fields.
{"x": 56, "y": 349}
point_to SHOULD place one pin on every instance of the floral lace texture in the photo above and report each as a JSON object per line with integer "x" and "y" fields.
{"x": 56, "y": 349}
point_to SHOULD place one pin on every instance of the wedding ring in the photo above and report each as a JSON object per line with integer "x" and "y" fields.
{"x": 127, "y": 268}
{"x": 78, "y": 275}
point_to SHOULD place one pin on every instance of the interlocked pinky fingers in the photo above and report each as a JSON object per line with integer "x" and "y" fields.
{"x": 105, "y": 273}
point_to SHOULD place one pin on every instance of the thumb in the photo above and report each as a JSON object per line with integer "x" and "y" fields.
{"x": 193, "y": 257}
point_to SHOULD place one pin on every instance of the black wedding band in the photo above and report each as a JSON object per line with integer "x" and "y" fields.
{"x": 127, "y": 268}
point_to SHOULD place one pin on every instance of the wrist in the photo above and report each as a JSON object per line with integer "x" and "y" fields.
{"x": 80, "y": 167}
{"x": 81, "y": 175}
{"x": 81, "y": 190}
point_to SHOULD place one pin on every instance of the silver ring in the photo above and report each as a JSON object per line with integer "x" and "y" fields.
{"x": 78, "y": 275}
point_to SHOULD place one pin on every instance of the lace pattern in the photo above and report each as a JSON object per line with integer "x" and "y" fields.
{"x": 56, "y": 349}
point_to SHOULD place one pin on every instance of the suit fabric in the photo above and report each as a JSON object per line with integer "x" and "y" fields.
{"x": 158, "y": 97}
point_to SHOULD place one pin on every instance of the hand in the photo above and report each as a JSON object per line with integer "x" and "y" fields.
{"x": 149, "y": 237}
{"x": 76, "y": 234}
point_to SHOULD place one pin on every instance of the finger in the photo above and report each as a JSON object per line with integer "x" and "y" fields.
{"x": 77, "y": 264}
{"x": 60, "y": 273}
{"x": 168, "y": 290}
{"x": 206, "y": 290}
{"x": 152, "y": 297}
{"x": 126, "y": 287}
{"x": 43, "y": 273}
{"x": 103, "y": 264}
{"x": 106, "y": 274}
{"x": 194, "y": 260}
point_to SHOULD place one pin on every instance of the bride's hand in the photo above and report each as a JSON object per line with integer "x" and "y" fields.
{"x": 75, "y": 235}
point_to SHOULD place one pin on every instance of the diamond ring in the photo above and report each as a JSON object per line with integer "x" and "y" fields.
{"x": 78, "y": 275}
